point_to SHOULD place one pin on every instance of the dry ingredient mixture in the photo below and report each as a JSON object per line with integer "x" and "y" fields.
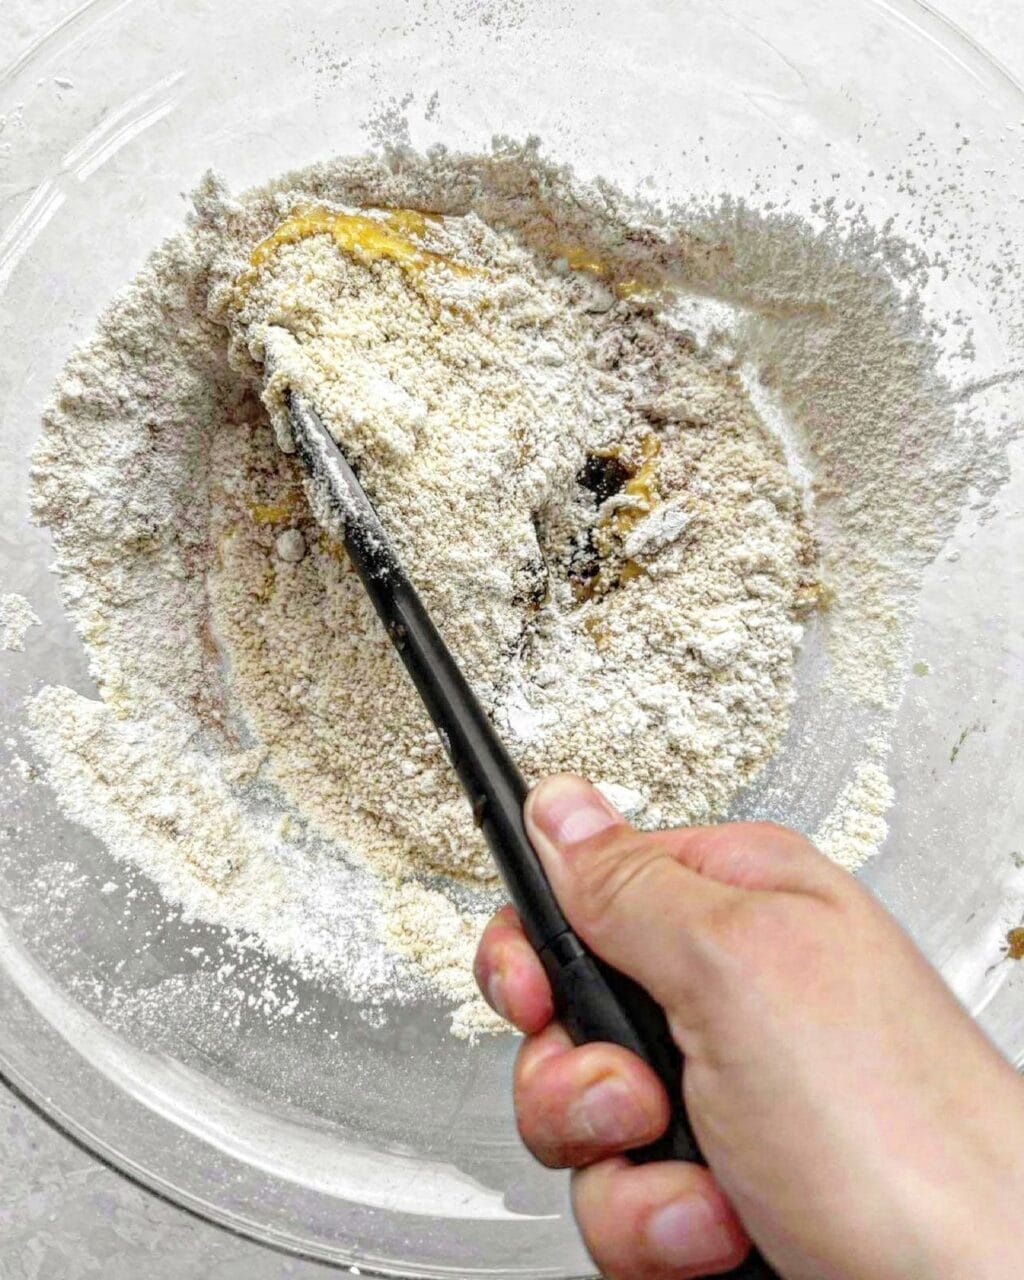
{"x": 605, "y": 532}
{"x": 567, "y": 412}
{"x": 16, "y": 617}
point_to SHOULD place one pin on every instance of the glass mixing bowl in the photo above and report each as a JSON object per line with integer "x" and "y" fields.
{"x": 393, "y": 1147}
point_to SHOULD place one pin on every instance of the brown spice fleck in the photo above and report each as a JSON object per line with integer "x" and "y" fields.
{"x": 1015, "y": 943}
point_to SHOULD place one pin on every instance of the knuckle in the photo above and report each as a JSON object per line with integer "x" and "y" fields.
{"x": 746, "y": 926}
{"x": 773, "y": 934}
{"x": 767, "y": 830}
{"x": 539, "y": 1143}
{"x": 609, "y": 1235}
{"x": 543, "y": 1136}
{"x": 620, "y": 869}
{"x": 729, "y": 923}
{"x": 780, "y": 840}
{"x": 530, "y": 1059}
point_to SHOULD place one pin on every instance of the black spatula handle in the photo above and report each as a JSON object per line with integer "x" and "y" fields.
{"x": 593, "y": 1001}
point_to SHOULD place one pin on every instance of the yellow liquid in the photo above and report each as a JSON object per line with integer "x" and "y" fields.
{"x": 643, "y": 486}
{"x": 410, "y": 222}
{"x": 630, "y": 570}
{"x": 364, "y": 238}
{"x": 597, "y": 629}
{"x": 276, "y": 512}
{"x": 580, "y": 259}
{"x": 634, "y": 288}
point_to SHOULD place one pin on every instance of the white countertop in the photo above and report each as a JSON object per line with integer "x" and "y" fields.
{"x": 65, "y": 1216}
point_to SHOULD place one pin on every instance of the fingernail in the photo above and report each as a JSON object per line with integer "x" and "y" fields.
{"x": 495, "y": 992}
{"x": 609, "y": 1112}
{"x": 569, "y": 811}
{"x": 689, "y": 1233}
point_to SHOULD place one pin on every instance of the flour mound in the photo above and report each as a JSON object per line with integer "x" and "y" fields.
{"x": 618, "y": 548}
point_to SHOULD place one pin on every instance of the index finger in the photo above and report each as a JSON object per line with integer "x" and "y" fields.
{"x": 510, "y": 975}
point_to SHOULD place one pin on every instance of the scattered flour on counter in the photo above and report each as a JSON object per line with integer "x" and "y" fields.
{"x": 611, "y": 536}
{"x": 16, "y": 616}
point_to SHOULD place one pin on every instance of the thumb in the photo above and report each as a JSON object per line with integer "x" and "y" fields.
{"x": 625, "y": 892}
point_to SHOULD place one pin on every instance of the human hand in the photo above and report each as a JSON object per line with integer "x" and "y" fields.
{"x": 857, "y": 1124}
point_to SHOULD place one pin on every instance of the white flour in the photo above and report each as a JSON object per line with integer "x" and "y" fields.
{"x": 470, "y": 428}
{"x": 147, "y": 788}
{"x": 16, "y": 616}
{"x": 258, "y": 749}
{"x": 856, "y": 827}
